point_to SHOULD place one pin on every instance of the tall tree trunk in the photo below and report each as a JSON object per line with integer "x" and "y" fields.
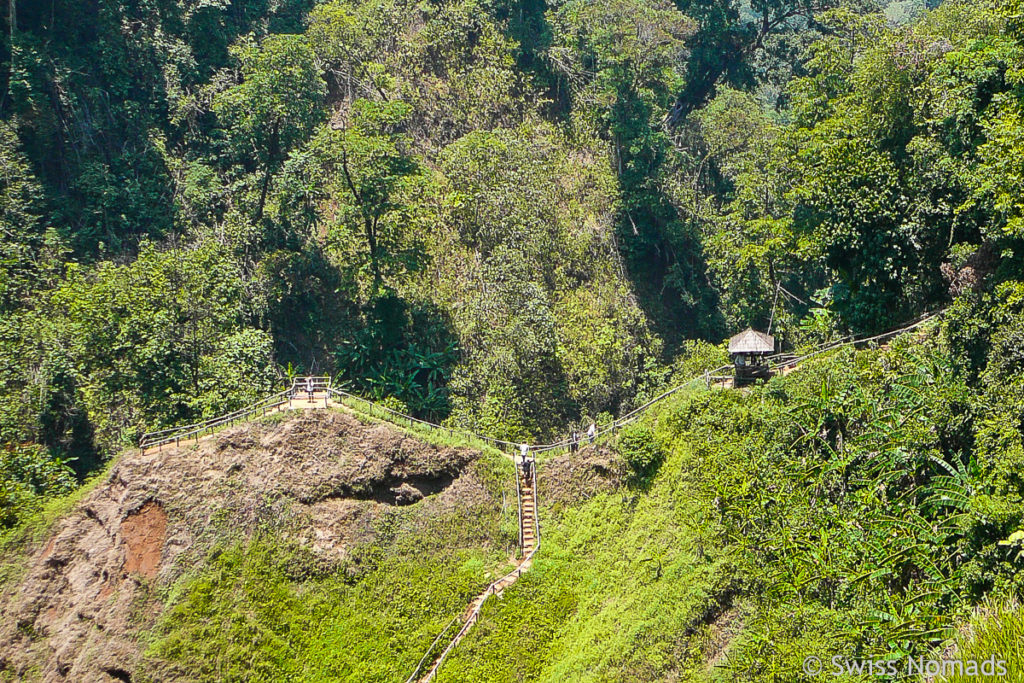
{"x": 263, "y": 193}
{"x": 369, "y": 224}
{"x": 12, "y": 24}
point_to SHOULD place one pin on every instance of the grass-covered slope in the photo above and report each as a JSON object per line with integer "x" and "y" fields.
{"x": 260, "y": 611}
{"x": 620, "y": 583}
{"x": 850, "y": 508}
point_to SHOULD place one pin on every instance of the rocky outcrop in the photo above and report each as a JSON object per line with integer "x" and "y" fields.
{"x": 570, "y": 478}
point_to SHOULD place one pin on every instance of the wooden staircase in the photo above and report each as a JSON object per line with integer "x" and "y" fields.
{"x": 529, "y": 542}
{"x": 528, "y": 512}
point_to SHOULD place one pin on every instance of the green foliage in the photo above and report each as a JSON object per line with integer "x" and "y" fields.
{"x": 510, "y": 216}
{"x": 565, "y": 194}
{"x": 28, "y": 476}
{"x": 402, "y": 353}
{"x": 843, "y": 502}
{"x": 20, "y": 196}
{"x": 358, "y": 185}
{"x": 549, "y": 330}
{"x": 274, "y": 108}
{"x": 637, "y": 444}
{"x": 161, "y": 340}
{"x": 453, "y": 60}
{"x": 622, "y": 61}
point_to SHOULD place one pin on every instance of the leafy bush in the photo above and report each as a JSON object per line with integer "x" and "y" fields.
{"x": 640, "y": 448}
{"x": 28, "y": 475}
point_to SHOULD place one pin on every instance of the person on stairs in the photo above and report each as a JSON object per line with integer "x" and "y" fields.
{"x": 592, "y": 432}
{"x": 524, "y": 457}
{"x": 310, "y": 388}
{"x": 574, "y": 441}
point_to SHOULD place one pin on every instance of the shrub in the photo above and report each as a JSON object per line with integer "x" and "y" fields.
{"x": 640, "y": 449}
{"x": 28, "y": 474}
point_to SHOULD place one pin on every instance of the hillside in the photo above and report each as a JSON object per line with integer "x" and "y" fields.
{"x": 853, "y": 508}
{"x": 513, "y": 220}
{"x": 307, "y": 535}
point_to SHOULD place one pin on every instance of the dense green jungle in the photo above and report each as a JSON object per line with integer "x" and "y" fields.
{"x": 518, "y": 218}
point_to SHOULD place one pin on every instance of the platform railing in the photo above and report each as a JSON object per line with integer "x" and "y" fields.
{"x": 177, "y": 435}
{"x": 324, "y": 386}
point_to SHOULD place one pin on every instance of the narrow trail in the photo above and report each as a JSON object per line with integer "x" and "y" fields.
{"x": 325, "y": 396}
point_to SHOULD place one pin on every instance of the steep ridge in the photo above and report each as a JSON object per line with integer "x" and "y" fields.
{"x": 323, "y": 478}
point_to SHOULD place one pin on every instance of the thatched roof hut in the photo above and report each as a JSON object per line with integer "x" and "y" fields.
{"x": 750, "y": 342}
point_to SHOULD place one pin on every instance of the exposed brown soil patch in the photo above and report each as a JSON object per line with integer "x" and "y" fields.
{"x": 144, "y": 533}
{"x": 321, "y": 479}
{"x": 572, "y": 477}
{"x": 721, "y": 633}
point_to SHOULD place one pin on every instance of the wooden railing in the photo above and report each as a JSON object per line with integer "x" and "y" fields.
{"x": 536, "y": 508}
{"x": 519, "y": 507}
{"x": 494, "y": 588}
{"x": 376, "y": 410}
{"x": 323, "y": 385}
{"x": 176, "y": 435}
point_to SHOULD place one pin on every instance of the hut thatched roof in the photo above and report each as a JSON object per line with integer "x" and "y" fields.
{"x": 752, "y": 341}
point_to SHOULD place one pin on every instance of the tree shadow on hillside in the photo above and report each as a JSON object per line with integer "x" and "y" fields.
{"x": 663, "y": 254}
{"x": 66, "y": 429}
{"x": 90, "y": 97}
{"x": 527, "y": 24}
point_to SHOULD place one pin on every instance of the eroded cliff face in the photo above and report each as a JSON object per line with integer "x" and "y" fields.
{"x": 82, "y": 598}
